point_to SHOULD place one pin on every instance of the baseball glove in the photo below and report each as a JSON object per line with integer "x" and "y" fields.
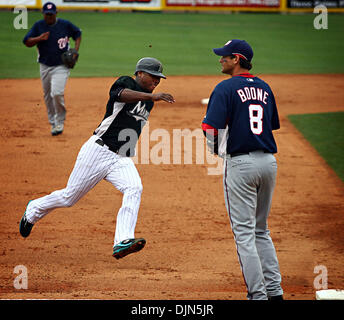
{"x": 70, "y": 57}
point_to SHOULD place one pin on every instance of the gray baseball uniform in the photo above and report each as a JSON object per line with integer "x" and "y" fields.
{"x": 244, "y": 107}
{"x": 51, "y": 35}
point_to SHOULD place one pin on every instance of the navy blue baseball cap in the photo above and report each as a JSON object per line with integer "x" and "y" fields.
{"x": 49, "y": 7}
{"x": 236, "y": 46}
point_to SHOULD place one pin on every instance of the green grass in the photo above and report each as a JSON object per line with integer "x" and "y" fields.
{"x": 325, "y": 131}
{"x": 113, "y": 42}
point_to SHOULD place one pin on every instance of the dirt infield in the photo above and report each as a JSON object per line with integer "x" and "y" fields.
{"x": 190, "y": 251}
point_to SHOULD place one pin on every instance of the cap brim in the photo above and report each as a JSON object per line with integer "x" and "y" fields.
{"x": 157, "y": 74}
{"x": 50, "y": 11}
{"x": 221, "y": 52}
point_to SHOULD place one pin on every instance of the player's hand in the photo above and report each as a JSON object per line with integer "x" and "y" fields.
{"x": 163, "y": 96}
{"x": 44, "y": 36}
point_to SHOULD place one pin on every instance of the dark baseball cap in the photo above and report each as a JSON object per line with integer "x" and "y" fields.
{"x": 236, "y": 46}
{"x": 151, "y": 66}
{"x": 49, "y": 7}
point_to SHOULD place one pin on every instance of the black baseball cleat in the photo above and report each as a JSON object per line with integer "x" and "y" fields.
{"x": 128, "y": 246}
{"x": 276, "y": 298}
{"x": 57, "y": 129}
{"x": 25, "y": 226}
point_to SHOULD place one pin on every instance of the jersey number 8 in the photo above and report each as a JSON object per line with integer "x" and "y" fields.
{"x": 256, "y": 118}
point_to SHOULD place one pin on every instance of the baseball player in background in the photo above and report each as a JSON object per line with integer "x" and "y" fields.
{"x": 51, "y": 35}
{"x": 106, "y": 155}
{"x": 238, "y": 125}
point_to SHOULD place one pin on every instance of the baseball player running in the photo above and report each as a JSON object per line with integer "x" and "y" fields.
{"x": 106, "y": 155}
{"x": 240, "y": 117}
{"x": 51, "y": 35}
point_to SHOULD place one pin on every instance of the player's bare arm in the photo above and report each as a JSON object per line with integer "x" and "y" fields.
{"x": 77, "y": 43}
{"x": 212, "y": 138}
{"x": 163, "y": 96}
{"x": 34, "y": 40}
{"x": 130, "y": 96}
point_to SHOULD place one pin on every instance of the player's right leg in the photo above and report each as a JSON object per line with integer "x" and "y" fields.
{"x": 45, "y": 75}
{"x": 92, "y": 165}
{"x": 240, "y": 196}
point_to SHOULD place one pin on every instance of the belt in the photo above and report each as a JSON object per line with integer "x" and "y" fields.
{"x": 102, "y": 143}
{"x": 245, "y": 153}
{"x": 238, "y": 154}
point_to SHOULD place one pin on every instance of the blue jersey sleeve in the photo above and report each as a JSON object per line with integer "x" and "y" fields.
{"x": 74, "y": 31}
{"x": 217, "y": 111}
{"x": 33, "y": 32}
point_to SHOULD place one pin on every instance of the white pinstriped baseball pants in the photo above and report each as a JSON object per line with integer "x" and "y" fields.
{"x": 95, "y": 163}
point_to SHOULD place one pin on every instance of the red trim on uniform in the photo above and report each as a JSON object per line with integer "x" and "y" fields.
{"x": 245, "y": 74}
{"x": 209, "y": 129}
{"x": 240, "y": 55}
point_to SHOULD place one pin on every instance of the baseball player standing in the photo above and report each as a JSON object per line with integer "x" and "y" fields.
{"x": 238, "y": 125}
{"x": 51, "y": 35}
{"x": 106, "y": 155}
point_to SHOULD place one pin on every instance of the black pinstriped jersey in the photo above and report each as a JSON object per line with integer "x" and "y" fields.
{"x": 123, "y": 122}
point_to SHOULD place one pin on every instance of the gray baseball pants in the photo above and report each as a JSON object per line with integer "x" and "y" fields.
{"x": 249, "y": 181}
{"x": 54, "y": 81}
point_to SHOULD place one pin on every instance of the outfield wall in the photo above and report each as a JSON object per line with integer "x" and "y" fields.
{"x": 184, "y": 5}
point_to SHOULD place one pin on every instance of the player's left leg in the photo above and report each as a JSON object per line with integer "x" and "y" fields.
{"x": 59, "y": 79}
{"x": 264, "y": 244}
{"x": 45, "y": 75}
{"x": 125, "y": 177}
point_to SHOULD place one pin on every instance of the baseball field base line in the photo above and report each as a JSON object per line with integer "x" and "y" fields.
{"x": 332, "y": 294}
